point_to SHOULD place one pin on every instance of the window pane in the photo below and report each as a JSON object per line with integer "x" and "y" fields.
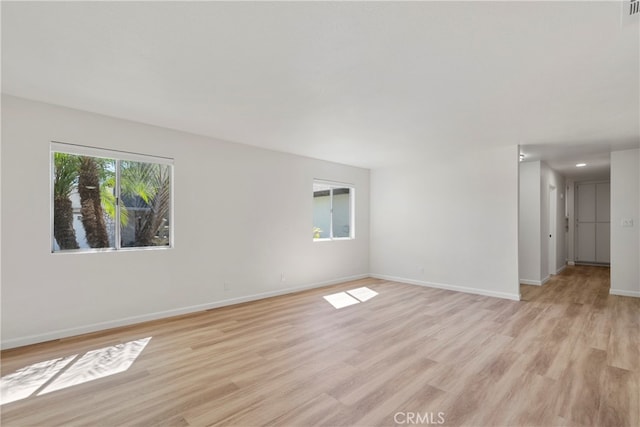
{"x": 83, "y": 202}
{"x": 145, "y": 204}
{"x": 321, "y": 212}
{"x": 341, "y": 212}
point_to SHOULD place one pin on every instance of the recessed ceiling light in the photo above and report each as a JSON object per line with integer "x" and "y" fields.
{"x": 581, "y": 165}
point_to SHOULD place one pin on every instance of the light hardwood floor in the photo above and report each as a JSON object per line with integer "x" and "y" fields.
{"x": 568, "y": 354}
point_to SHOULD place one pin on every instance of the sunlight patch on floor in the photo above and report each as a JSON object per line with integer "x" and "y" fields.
{"x": 354, "y": 296}
{"x": 99, "y": 364}
{"x": 341, "y": 299}
{"x": 56, "y": 374}
{"x": 24, "y": 382}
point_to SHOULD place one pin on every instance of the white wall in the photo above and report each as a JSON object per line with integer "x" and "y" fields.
{"x": 242, "y": 215}
{"x": 450, "y": 221}
{"x": 548, "y": 178}
{"x": 625, "y": 241}
{"x": 529, "y": 224}
{"x": 536, "y": 178}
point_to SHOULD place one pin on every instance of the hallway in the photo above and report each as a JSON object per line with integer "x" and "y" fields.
{"x": 589, "y": 343}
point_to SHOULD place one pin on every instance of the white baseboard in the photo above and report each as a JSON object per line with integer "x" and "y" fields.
{"x": 94, "y": 327}
{"x": 504, "y": 295}
{"x": 530, "y": 282}
{"x": 540, "y": 282}
{"x": 543, "y": 281}
{"x": 571, "y": 263}
{"x": 623, "y": 293}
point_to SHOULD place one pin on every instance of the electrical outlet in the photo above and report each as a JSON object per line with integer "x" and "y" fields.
{"x": 282, "y": 277}
{"x": 227, "y": 285}
{"x": 627, "y": 222}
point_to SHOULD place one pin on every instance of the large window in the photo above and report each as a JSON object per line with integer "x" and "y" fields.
{"x": 333, "y": 211}
{"x": 105, "y": 200}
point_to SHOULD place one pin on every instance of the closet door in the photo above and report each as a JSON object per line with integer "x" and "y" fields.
{"x": 593, "y": 223}
{"x": 603, "y": 223}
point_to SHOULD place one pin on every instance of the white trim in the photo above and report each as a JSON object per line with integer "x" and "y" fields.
{"x": 531, "y": 282}
{"x": 571, "y": 263}
{"x": 117, "y": 157}
{"x": 84, "y": 150}
{"x": 594, "y": 264}
{"x": 476, "y": 291}
{"x": 352, "y": 208}
{"x": 101, "y": 326}
{"x": 623, "y": 293}
{"x": 538, "y": 282}
{"x": 337, "y": 184}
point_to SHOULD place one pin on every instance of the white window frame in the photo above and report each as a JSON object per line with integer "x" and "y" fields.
{"x": 117, "y": 156}
{"x": 352, "y": 204}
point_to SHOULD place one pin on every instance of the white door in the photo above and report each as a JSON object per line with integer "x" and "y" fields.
{"x": 603, "y": 223}
{"x": 593, "y": 223}
{"x": 553, "y": 215}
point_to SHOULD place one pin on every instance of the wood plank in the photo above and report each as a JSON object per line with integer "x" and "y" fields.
{"x": 569, "y": 354}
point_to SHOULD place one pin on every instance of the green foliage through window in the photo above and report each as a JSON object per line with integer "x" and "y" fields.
{"x": 102, "y": 202}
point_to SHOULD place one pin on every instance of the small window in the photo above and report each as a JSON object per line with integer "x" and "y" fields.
{"x": 105, "y": 200}
{"x": 333, "y": 210}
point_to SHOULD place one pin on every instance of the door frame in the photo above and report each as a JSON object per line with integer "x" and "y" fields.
{"x": 552, "y": 230}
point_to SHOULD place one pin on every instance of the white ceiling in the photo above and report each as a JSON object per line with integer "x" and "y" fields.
{"x": 564, "y": 158}
{"x": 368, "y": 84}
